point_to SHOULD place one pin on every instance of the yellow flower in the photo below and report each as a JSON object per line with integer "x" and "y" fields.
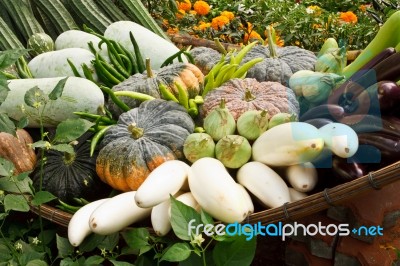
{"x": 185, "y": 5}
{"x": 348, "y": 17}
{"x": 202, "y": 26}
{"x": 192, "y": 12}
{"x": 228, "y": 14}
{"x": 218, "y": 22}
{"x": 315, "y": 10}
{"x": 201, "y": 7}
{"x": 363, "y": 8}
{"x": 180, "y": 14}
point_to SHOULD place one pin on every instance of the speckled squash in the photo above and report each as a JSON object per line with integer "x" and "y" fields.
{"x": 279, "y": 63}
{"x": 187, "y": 75}
{"x": 205, "y": 58}
{"x": 69, "y": 176}
{"x": 16, "y": 149}
{"x": 246, "y": 94}
{"x": 143, "y": 138}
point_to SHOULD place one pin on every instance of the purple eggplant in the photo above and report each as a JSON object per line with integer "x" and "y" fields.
{"x": 388, "y": 125}
{"x": 348, "y": 169}
{"x": 319, "y": 122}
{"x": 389, "y": 95}
{"x": 387, "y": 147}
{"x": 333, "y": 112}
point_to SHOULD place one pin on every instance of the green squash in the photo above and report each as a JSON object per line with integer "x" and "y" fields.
{"x": 40, "y": 43}
{"x": 71, "y": 176}
{"x": 142, "y": 139}
{"x": 279, "y": 62}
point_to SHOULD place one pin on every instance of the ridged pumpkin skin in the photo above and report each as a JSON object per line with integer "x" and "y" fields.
{"x": 143, "y": 138}
{"x": 186, "y": 75}
{"x": 17, "y": 150}
{"x": 69, "y": 177}
{"x": 205, "y": 58}
{"x": 289, "y": 60}
{"x": 246, "y": 94}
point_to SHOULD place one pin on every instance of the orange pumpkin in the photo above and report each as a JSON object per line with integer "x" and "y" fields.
{"x": 17, "y": 150}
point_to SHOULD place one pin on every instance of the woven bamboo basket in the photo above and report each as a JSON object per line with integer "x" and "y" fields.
{"x": 290, "y": 211}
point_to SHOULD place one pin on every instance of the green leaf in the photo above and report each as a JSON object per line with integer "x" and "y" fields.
{"x": 31, "y": 257}
{"x": 93, "y": 260}
{"x": 239, "y": 252}
{"x": 206, "y": 218}
{"x": 41, "y": 144}
{"x": 5, "y": 253}
{"x": 121, "y": 263}
{"x": 37, "y": 262}
{"x": 196, "y": 260}
{"x": 6, "y": 167}
{"x": 16, "y": 203}
{"x": 58, "y": 89}
{"x": 177, "y": 252}
{"x": 42, "y": 197}
{"x": 4, "y": 89}
{"x": 136, "y": 238}
{"x": 6, "y": 125}
{"x": 35, "y": 98}
{"x": 68, "y": 148}
{"x": 10, "y": 185}
{"x": 64, "y": 248}
{"x": 91, "y": 242}
{"x": 109, "y": 242}
{"x": 71, "y": 129}
{"x": 23, "y": 122}
{"x": 181, "y": 216}
{"x": 9, "y": 57}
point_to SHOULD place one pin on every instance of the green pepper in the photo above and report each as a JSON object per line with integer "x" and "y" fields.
{"x": 387, "y": 36}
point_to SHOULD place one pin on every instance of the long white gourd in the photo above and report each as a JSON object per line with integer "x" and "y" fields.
{"x": 55, "y": 63}
{"x": 150, "y": 44}
{"x": 79, "y": 94}
{"x": 216, "y": 191}
{"x": 80, "y": 39}
{"x": 302, "y": 177}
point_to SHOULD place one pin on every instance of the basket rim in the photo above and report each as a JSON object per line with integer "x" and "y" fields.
{"x": 290, "y": 211}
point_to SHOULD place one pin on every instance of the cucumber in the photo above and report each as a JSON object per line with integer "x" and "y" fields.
{"x": 150, "y": 44}
{"x": 55, "y": 63}
{"x": 79, "y": 95}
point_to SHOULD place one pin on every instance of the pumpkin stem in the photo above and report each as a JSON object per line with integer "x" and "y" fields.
{"x": 248, "y": 96}
{"x": 148, "y": 68}
{"x": 136, "y": 131}
{"x": 222, "y": 103}
{"x": 69, "y": 158}
{"x": 263, "y": 113}
{"x": 271, "y": 43}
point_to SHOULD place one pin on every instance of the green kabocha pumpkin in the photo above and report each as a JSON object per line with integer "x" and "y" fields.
{"x": 142, "y": 139}
{"x": 69, "y": 176}
{"x": 40, "y": 43}
{"x": 279, "y": 62}
{"x": 246, "y": 94}
{"x": 186, "y": 75}
{"x": 205, "y": 58}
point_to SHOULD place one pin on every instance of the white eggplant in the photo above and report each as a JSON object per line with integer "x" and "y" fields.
{"x": 264, "y": 183}
{"x": 167, "y": 179}
{"x": 117, "y": 213}
{"x": 288, "y": 144}
{"x": 302, "y": 177}
{"x": 216, "y": 191}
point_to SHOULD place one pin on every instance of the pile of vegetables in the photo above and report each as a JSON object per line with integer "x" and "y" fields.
{"x": 257, "y": 123}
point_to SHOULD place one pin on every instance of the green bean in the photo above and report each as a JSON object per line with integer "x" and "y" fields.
{"x": 96, "y": 138}
{"x": 74, "y": 69}
{"x": 166, "y": 93}
{"x": 115, "y": 99}
{"x": 139, "y": 58}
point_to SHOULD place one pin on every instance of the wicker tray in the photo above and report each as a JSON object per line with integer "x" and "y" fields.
{"x": 289, "y": 211}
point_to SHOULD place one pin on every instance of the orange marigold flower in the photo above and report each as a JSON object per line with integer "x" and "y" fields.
{"x": 363, "y": 8}
{"x": 180, "y": 14}
{"x": 228, "y": 14}
{"x": 172, "y": 30}
{"x": 184, "y": 5}
{"x": 218, "y": 22}
{"x": 348, "y": 17}
{"x": 201, "y": 7}
{"x": 253, "y": 35}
